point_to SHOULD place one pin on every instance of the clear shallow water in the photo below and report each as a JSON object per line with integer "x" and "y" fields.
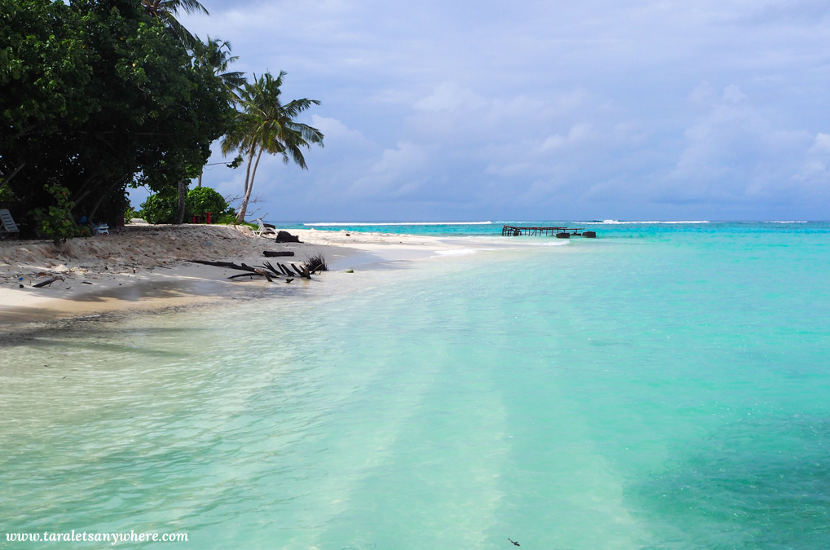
{"x": 660, "y": 387}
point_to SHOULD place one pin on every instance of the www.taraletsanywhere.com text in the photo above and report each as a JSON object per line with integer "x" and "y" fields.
{"x": 83, "y": 536}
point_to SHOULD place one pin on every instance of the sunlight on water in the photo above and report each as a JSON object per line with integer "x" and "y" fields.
{"x": 667, "y": 388}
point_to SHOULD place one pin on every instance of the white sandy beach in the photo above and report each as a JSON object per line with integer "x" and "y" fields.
{"x": 146, "y": 267}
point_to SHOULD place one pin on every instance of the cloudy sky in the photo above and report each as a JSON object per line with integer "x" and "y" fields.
{"x": 436, "y": 110}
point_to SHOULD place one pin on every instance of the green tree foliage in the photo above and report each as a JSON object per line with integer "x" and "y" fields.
{"x": 160, "y": 208}
{"x": 55, "y": 222}
{"x": 266, "y": 125}
{"x": 216, "y": 54}
{"x": 98, "y": 95}
{"x": 204, "y": 199}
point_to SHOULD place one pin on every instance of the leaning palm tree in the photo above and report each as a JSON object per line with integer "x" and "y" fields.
{"x": 266, "y": 125}
{"x": 165, "y": 10}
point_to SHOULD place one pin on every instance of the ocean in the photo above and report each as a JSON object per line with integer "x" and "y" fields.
{"x": 666, "y": 385}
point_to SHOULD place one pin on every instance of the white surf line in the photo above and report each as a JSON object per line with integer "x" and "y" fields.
{"x": 400, "y": 224}
{"x": 647, "y": 222}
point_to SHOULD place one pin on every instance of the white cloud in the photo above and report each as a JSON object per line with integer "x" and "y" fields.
{"x": 734, "y": 152}
{"x": 711, "y": 103}
{"x": 702, "y": 94}
{"x": 821, "y": 144}
{"x": 337, "y": 133}
{"x": 396, "y": 173}
{"x": 448, "y": 96}
{"x": 814, "y": 174}
{"x": 733, "y": 94}
{"x": 577, "y": 134}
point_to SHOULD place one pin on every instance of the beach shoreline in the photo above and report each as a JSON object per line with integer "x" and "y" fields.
{"x": 149, "y": 268}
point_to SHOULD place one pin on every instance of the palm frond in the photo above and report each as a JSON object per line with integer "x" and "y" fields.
{"x": 264, "y": 122}
{"x": 187, "y": 6}
{"x": 165, "y": 10}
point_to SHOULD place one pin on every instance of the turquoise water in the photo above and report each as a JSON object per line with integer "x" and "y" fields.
{"x": 605, "y": 228}
{"x": 662, "y": 386}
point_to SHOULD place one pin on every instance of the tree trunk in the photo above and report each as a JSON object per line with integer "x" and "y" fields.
{"x": 182, "y": 193}
{"x": 199, "y": 184}
{"x": 91, "y": 213}
{"x": 248, "y": 169}
{"x": 5, "y": 179}
{"x": 253, "y": 172}
{"x": 249, "y": 185}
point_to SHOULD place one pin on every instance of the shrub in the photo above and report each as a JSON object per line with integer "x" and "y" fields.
{"x": 160, "y": 208}
{"x": 227, "y": 219}
{"x": 6, "y": 195}
{"x": 56, "y": 221}
{"x": 204, "y": 199}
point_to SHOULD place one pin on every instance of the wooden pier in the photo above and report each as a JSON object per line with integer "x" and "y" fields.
{"x": 558, "y": 232}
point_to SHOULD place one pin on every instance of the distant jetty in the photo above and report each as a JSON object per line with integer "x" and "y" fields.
{"x": 558, "y": 232}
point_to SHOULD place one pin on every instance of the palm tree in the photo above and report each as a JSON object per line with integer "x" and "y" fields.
{"x": 164, "y": 11}
{"x": 266, "y": 125}
{"x": 215, "y": 53}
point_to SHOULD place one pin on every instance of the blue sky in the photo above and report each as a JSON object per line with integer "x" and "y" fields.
{"x": 543, "y": 110}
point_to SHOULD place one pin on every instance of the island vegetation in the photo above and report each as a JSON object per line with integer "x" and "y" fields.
{"x": 103, "y": 95}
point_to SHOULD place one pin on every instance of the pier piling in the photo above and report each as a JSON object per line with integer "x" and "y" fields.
{"x": 558, "y": 232}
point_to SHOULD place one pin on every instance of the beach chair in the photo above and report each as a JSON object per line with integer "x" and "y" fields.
{"x": 264, "y": 229}
{"x": 7, "y": 222}
{"x": 102, "y": 229}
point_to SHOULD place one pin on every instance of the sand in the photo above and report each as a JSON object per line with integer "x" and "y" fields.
{"x": 148, "y": 267}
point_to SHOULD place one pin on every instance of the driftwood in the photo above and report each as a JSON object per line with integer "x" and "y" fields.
{"x": 298, "y": 270}
{"x": 276, "y": 254}
{"x": 316, "y": 263}
{"x": 265, "y": 274}
{"x": 301, "y": 272}
{"x": 47, "y": 282}
{"x": 251, "y": 275}
{"x": 257, "y": 273}
{"x": 230, "y": 265}
{"x": 267, "y": 270}
{"x": 269, "y": 267}
{"x": 278, "y": 272}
